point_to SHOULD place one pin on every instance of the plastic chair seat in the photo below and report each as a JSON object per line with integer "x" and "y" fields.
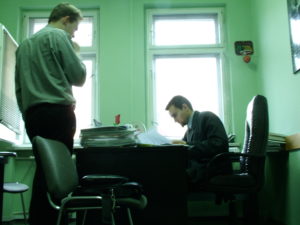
{"x": 15, "y": 187}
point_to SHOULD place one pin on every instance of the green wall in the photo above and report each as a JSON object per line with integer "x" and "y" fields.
{"x": 275, "y": 73}
{"x": 281, "y": 87}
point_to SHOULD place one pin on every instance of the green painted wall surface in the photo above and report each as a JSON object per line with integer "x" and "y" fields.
{"x": 281, "y": 86}
{"x": 277, "y": 80}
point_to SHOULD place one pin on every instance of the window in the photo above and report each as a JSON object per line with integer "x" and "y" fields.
{"x": 86, "y": 37}
{"x": 185, "y": 57}
{"x": 185, "y": 29}
{"x": 9, "y": 113}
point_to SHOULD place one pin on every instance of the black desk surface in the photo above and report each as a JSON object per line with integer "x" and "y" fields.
{"x": 161, "y": 171}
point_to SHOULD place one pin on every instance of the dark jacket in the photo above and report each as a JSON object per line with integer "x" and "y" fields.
{"x": 206, "y": 138}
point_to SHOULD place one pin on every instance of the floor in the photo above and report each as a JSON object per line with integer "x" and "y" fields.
{"x": 193, "y": 221}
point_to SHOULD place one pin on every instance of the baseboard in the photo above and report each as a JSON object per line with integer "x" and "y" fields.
{"x": 14, "y": 216}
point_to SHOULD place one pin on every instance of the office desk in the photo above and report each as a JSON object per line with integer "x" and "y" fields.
{"x": 161, "y": 171}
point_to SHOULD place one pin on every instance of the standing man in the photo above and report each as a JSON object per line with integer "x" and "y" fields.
{"x": 47, "y": 66}
{"x": 206, "y": 136}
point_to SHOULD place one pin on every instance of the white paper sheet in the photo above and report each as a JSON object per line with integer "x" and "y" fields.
{"x": 152, "y": 137}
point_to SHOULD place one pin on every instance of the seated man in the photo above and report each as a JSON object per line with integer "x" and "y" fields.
{"x": 206, "y": 136}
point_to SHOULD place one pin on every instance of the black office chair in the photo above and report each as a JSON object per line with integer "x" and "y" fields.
{"x": 244, "y": 183}
{"x": 66, "y": 193}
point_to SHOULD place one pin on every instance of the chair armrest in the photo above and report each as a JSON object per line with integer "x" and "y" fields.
{"x": 232, "y": 156}
{"x": 8, "y": 154}
{"x": 235, "y": 155}
{"x": 129, "y": 190}
{"x": 245, "y": 154}
{"x": 98, "y": 184}
{"x": 102, "y": 180}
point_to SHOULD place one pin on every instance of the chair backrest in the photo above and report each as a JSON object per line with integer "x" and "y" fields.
{"x": 57, "y": 165}
{"x": 256, "y": 136}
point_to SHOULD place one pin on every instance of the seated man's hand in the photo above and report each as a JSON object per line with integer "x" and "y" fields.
{"x": 178, "y": 142}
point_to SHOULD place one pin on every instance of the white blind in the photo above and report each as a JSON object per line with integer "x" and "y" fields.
{"x": 9, "y": 112}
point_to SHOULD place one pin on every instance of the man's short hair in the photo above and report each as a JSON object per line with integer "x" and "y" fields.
{"x": 178, "y": 101}
{"x": 65, "y": 9}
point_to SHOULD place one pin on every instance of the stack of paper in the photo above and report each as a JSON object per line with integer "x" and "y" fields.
{"x": 276, "y": 142}
{"x": 107, "y": 136}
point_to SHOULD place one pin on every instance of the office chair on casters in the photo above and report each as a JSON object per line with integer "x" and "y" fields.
{"x": 246, "y": 182}
{"x": 67, "y": 193}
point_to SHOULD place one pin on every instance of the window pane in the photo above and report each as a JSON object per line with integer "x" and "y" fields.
{"x": 194, "y": 77}
{"x": 83, "y": 36}
{"x": 36, "y": 24}
{"x": 185, "y": 30}
{"x": 83, "y": 96}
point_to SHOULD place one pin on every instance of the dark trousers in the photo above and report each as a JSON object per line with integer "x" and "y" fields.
{"x": 51, "y": 121}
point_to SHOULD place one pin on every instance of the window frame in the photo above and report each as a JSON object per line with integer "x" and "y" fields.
{"x": 90, "y": 53}
{"x": 151, "y": 13}
{"x": 26, "y": 14}
{"x": 177, "y": 50}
